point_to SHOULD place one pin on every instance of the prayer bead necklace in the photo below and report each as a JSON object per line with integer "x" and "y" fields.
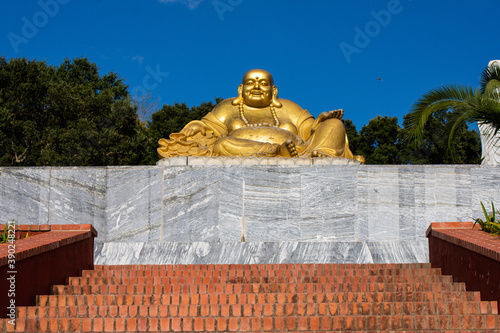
{"x": 273, "y": 113}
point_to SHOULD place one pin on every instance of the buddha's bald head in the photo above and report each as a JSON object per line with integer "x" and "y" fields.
{"x": 259, "y": 74}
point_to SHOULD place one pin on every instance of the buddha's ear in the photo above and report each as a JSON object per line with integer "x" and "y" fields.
{"x": 238, "y": 100}
{"x": 276, "y": 103}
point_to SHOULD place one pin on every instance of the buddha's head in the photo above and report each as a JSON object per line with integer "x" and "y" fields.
{"x": 257, "y": 89}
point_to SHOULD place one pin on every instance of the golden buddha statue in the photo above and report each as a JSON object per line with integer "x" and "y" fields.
{"x": 258, "y": 123}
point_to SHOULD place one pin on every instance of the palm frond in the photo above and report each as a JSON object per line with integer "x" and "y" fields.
{"x": 459, "y": 98}
{"x": 492, "y": 89}
{"x": 487, "y": 112}
{"x": 490, "y": 73}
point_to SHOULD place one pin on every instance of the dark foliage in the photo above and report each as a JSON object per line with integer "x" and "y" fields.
{"x": 66, "y": 115}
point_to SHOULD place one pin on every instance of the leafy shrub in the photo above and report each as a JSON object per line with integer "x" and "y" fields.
{"x": 489, "y": 224}
{"x": 4, "y": 237}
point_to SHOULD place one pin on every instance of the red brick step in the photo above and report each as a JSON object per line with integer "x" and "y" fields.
{"x": 259, "y": 310}
{"x": 266, "y": 324}
{"x": 251, "y": 288}
{"x": 253, "y": 298}
{"x": 259, "y": 298}
{"x": 262, "y": 267}
{"x": 86, "y": 279}
{"x": 263, "y": 273}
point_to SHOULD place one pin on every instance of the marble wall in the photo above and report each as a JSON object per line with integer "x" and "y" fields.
{"x": 181, "y": 214}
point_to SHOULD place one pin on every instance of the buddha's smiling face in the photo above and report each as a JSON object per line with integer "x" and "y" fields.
{"x": 257, "y": 88}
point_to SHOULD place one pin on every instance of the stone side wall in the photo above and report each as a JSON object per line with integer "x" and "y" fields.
{"x": 251, "y": 213}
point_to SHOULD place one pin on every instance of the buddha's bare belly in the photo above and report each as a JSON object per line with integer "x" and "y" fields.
{"x": 266, "y": 134}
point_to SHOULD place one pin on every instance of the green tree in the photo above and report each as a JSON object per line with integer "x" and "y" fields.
{"x": 380, "y": 142}
{"x": 433, "y": 148}
{"x": 352, "y": 136}
{"x": 66, "y": 115}
{"x": 463, "y": 105}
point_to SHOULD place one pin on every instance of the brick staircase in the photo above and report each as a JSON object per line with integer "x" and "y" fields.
{"x": 259, "y": 298}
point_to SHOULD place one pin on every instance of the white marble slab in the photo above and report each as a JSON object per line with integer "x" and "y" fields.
{"x": 76, "y": 195}
{"x": 399, "y": 251}
{"x": 191, "y": 204}
{"x": 247, "y": 161}
{"x": 133, "y": 204}
{"x": 271, "y": 204}
{"x": 328, "y": 204}
{"x": 154, "y": 253}
{"x": 24, "y": 195}
{"x": 485, "y": 187}
{"x": 406, "y": 203}
{"x": 231, "y": 218}
{"x": 255, "y": 212}
{"x": 378, "y": 203}
{"x": 136, "y": 253}
{"x": 235, "y": 252}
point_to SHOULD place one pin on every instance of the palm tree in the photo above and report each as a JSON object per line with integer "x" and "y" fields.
{"x": 490, "y": 84}
{"x": 463, "y": 104}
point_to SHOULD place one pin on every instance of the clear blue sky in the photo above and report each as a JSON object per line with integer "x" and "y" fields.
{"x": 323, "y": 54}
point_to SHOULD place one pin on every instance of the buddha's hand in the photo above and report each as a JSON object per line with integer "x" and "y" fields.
{"x": 193, "y": 129}
{"x": 327, "y": 115}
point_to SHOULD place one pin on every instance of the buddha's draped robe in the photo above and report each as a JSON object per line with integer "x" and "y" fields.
{"x": 226, "y": 134}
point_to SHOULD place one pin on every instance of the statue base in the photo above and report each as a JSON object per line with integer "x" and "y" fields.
{"x": 249, "y": 161}
{"x": 254, "y": 213}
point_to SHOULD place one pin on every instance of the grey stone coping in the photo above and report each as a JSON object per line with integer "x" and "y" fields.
{"x": 253, "y": 161}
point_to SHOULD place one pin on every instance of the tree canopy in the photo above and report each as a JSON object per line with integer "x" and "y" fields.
{"x": 383, "y": 141}
{"x": 379, "y": 141}
{"x": 433, "y": 148}
{"x": 65, "y": 115}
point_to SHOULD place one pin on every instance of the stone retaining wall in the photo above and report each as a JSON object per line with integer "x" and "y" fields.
{"x": 251, "y": 212}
